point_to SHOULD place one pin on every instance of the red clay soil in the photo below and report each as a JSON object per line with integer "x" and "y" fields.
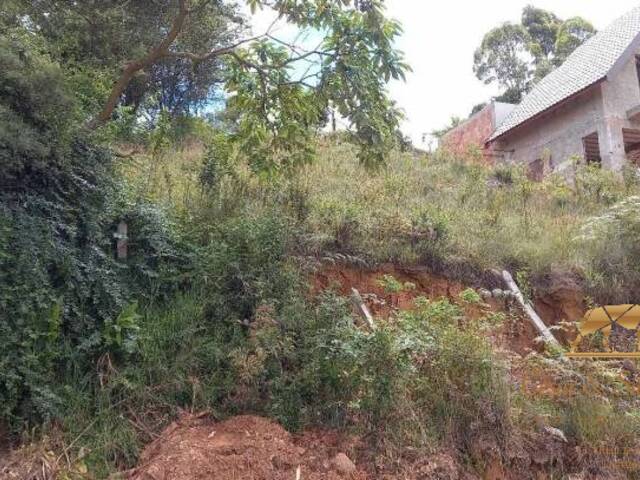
{"x": 343, "y": 278}
{"x": 560, "y": 301}
{"x": 254, "y": 448}
{"x": 244, "y": 447}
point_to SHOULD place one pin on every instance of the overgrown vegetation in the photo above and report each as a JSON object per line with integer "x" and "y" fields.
{"x": 227, "y": 218}
{"x": 454, "y": 214}
{"x": 254, "y": 341}
{"x": 62, "y": 293}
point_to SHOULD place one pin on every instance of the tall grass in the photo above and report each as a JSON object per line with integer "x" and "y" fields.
{"x": 431, "y": 209}
{"x": 490, "y": 217}
{"x": 247, "y": 336}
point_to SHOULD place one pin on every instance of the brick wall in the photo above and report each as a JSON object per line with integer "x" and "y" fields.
{"x": 471, "y": 134}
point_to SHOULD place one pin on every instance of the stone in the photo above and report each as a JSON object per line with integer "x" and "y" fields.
{"x": 484, "y": 293}
{"x": 557, "y": 433}
{"x": 343, "y": 464}
{"x": 497, "y": 294}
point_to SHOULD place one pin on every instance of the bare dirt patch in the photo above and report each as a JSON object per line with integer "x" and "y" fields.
{"x": 249, "y": 447}
{"x": 246, "y": 447}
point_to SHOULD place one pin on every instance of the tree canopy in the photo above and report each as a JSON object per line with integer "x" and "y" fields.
{"x": 516, "y": 56}
{"x": 144, "y": 57}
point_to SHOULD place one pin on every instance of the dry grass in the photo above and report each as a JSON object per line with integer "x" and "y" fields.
{"x": 418, "y": 209}
{"x": 423, "y": 206}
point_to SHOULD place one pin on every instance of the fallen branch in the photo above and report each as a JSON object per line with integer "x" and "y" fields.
{"x": 528, "y": 309}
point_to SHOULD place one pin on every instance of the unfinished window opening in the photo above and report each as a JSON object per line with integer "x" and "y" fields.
{"x": 631, "y": 139}
{"x": 591, "y": 145}
{"x": 535, "y": 170}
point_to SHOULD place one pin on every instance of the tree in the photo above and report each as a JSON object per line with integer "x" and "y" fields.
{"x": 281, "y": 90}
{"x": 542, "y": 28}
{"x": 571, "y": 34}
{"x": 93, "y": 39}
{"x": 501, "y": 58}
{"x": 516, "y": 56}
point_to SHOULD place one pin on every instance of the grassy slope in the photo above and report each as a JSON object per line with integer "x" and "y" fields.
{"x": 427, "y": 209}
{"x": 418, "y": 209}
{"x": 424, "y": 207}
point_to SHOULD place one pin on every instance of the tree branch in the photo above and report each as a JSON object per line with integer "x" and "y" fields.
{"x": 135, "y": 66}
{"x": 162, "y": 50}
{"x": 196, "y": 57}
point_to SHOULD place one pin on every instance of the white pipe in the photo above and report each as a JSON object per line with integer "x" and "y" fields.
{"x": 531, "y": 313}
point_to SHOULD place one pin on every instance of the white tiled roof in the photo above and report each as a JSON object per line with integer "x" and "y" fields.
{"x": 588, "y": 64}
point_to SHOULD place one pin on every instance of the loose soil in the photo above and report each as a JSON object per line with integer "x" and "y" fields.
{"x": 244, "y": 447}
{"x": 254, "y": 448}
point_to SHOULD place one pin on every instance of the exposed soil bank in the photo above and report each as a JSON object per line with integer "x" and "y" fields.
{"x": 558, "y": 297}
{"x": 249, "y": 447}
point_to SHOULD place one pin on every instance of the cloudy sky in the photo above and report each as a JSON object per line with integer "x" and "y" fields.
{"x": 439, "y": 40}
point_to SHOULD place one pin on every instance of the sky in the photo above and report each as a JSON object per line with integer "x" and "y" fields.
{"x": 439, "y": 40}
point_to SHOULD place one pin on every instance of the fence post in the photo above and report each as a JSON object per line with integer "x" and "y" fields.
{"x": 121, "y": 240}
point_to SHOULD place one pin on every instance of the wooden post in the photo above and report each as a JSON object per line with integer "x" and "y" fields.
{"x": 528, "y": 309}
{"x": 121, "y": 241}
{"x": 362, "y": 308}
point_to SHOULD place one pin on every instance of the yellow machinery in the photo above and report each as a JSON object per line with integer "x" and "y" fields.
{"x": 608, "y": 332}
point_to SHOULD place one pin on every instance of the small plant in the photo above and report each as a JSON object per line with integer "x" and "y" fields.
{"x": 470, "y": 297}
{"x": 492, "y": 320}
{"x": 122, "y": 333}
{"x": 592, "y": 183}
{"x": 522, "y": 279}
{"x": 392, "y": 285}
{"x": 505, "y": 174}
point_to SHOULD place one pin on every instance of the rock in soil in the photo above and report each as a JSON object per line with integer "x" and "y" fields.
{"x": 343, "y": 464}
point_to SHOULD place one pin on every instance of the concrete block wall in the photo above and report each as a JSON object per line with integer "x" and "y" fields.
{"x": 559, "y": 132}
{"x": 556, "y": 135}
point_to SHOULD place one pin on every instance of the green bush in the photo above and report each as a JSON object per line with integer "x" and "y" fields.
{"x": 37, "y": 111}
{"x": 63, "y": 296}
{"x": 60, "y": 284}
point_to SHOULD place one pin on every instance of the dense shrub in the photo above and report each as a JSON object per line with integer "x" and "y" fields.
{"x": 37, "y": 111}
{"x": 421, "y": 379}
{"x": 64, "y": 299}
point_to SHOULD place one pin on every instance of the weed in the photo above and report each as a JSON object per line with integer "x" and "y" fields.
{"x": 470, "y": 296}
{"x": 392, "y": 285}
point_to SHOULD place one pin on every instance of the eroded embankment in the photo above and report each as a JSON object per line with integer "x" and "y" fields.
{"x": 248, "y": 447}
{"x": 557, "y": 299}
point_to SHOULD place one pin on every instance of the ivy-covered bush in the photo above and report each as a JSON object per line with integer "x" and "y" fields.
{"x": 64, "y": 299}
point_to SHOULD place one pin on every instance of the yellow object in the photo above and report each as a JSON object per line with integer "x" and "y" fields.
{"x": 627, "y": 316}
{"x": 601, "y": 320}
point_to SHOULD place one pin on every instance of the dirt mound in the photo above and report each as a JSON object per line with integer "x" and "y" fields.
{"x": 241, "y": 447}
{"x": 249, "y": 447}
